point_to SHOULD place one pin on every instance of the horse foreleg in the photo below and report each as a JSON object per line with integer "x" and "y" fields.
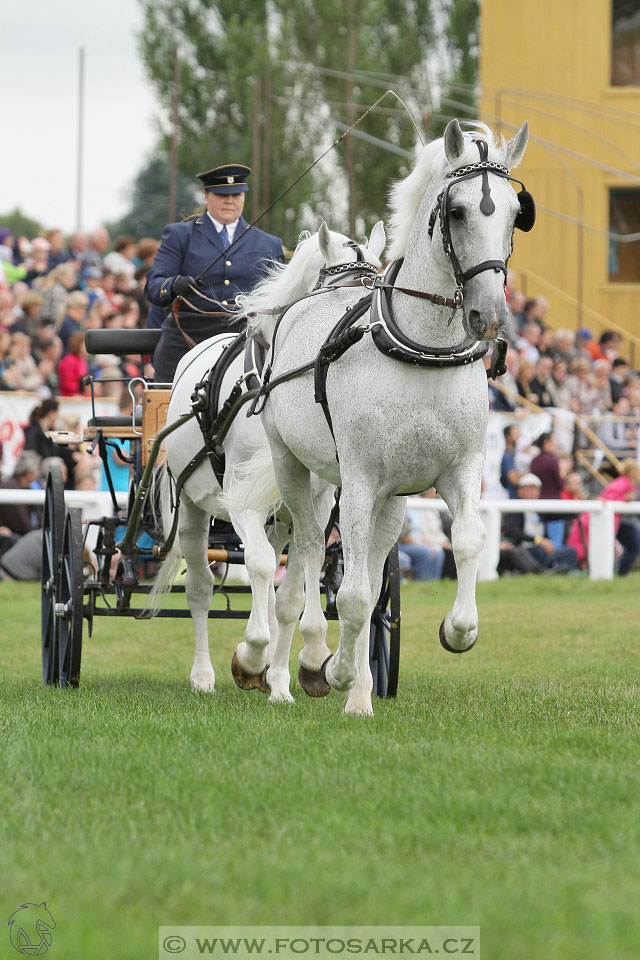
{"x": 461, "y": 491}
{"x": 387, "y": 530}
{"x": 193, "y": 525}
{"x": 357, "y": 529}
{"x": 260, "y": 560}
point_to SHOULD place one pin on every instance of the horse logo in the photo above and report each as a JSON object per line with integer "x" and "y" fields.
{"x": 30, "y": 929}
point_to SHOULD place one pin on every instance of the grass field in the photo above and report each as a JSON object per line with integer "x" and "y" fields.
{"x": 500, "y": 789}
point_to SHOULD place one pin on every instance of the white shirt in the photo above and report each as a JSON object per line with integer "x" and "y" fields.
{"x": 231, "y": 227}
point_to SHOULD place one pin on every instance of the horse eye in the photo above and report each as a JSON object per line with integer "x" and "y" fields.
{"x": 457, "y": 213}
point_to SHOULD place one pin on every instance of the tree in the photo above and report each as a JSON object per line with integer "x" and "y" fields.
{"x": 462, "y": 38}
{"x": 20, "y": 224}
{"x": 149, "y": 201}
{"x": 263, "y": 82}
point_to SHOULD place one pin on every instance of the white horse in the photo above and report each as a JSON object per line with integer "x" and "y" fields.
{"x": 203, "y": 498}
{"x": 401, "y": 427}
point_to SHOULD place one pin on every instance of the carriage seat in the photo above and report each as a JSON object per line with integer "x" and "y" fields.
{"x": 122, "y": 342}
{"x": 113, "y": 428}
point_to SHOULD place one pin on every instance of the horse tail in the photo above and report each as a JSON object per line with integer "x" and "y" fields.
{"x": 162, "y": 508}
{"x": 253, "y": 484}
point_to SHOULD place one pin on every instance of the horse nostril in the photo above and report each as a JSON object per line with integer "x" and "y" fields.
{"x": 474, "y": 316}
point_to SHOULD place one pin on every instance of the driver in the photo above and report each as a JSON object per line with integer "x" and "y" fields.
{"x": 217, "y": 233}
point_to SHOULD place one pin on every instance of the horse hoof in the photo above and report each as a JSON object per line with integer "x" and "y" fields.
{"x": 314, "y": 682}
{"x": 248, "y": 681}
{"x": 443, "y": 641}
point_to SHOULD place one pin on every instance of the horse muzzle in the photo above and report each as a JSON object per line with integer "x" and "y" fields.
{"x": 485, "y": 324}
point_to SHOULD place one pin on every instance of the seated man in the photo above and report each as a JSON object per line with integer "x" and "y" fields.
{"x": 527, "y": 530}
{"x": 417, "y": 559}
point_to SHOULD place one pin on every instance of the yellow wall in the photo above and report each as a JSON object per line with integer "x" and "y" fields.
{"x": 533, "y": 53}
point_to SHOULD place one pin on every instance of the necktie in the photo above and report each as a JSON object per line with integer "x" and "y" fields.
{"x": 224, "y": 237}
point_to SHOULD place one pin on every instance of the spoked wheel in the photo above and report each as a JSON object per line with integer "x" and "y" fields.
{"x": 70, "y": 599}
{"x": 52, "y": 532}
{"x": 384, "y": 642}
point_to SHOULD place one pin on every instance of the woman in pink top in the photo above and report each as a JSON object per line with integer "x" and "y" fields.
{"x": 624, "y": 488}
{"x": 73, "y": 367}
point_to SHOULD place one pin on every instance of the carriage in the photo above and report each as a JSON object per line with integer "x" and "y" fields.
{"x": 76, "y": 588}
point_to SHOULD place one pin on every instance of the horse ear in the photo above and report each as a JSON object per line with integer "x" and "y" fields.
{"x": 377, "y": 240}
{"x": 516, "y": 146}
{"x": 325, "y": 242}
{"x": 453, "y": 141}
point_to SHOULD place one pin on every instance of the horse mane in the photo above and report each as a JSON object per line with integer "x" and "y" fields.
{"x": 406, "y": 195}
{"x": 282, "y": 283}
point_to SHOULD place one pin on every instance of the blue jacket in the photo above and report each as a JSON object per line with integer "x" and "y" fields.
{"x": 188, "y": 247}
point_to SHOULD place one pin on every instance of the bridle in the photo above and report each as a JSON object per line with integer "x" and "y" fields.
{"x": 482, "y": 168}
{"x": 357, "y": 268}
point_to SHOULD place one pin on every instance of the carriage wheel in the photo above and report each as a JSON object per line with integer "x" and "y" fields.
{"x": 52, "y": 531}
{"x": 70, "y": 599}
{"x": 384, "y": 642}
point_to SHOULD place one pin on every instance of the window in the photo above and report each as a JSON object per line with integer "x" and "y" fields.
{"x": 625, "y": 43}
{"x": 624, "y": 218}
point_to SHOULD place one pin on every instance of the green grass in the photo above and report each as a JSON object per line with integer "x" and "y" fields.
{"x": 500, "y": 789}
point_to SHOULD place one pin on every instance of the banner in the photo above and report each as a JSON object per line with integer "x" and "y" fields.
{"x": 15, "y": 409}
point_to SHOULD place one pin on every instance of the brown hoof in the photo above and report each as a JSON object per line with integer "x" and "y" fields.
{"x": 314, "y": 682}
{"x": 248, "y": 681}
{"x": 443, "y": 641}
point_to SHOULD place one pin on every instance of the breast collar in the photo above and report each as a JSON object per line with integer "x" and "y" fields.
{"x": 391, "y": 341}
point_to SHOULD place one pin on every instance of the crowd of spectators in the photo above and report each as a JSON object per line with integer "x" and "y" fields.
{"x": 52, "y": 292}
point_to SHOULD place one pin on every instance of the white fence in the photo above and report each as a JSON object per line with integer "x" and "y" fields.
{"x": 601, "y": 552}
{"x": 601, "y": 522}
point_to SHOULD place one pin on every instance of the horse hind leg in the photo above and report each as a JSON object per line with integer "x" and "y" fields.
{"x": 289, "y": 605}
{"x": 461, "y": 491}
{"x": 194, "y": 533}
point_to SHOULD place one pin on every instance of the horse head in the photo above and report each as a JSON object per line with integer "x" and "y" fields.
{"x": 478, "y": 210}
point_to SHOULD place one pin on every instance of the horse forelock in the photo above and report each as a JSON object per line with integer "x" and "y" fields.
{"x": 431, "y": 168}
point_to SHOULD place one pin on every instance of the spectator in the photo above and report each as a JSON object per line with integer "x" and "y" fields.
{"x": 147, "y": 249}
{"x": 565, "y": 346}
{"x": 546, "y": 467}
{"x": 42, "y": 419}
{"x": 422, "y": 562}
{"x": 618, "y": 378}
{"x": 526, "y": 373}
{"x": 57, "y": 252}
{"x": 624, "y": 488}
{"x": 120, "y": 260}
{"x": 573, "y": 487}
{"x": 633, "y": 393}
{"x": 29, "y": 319}
{"x": 76, "y": 311}
{"x": 557, "y": 385}
{"x": 77, "y": 249}
{"x": 24, "y": 375}
{"x": 600, "y": 373}
{"x": 527, "y": 530}
{"x": 38, "y": 263}
{"x": 539, "y": 386}
{"x": 98, "y": 243}
{"x": 546, "y": 346}
{"x": 579, "y": 383}
{"x": 73, "y": 367}
{"x": 47, "y": 350}
{"x": 615, "y": 433}
{"x": 18, "y": 519}
{"x": 509, "y": 476}
{"x": 55, "y": 289}
{"x": 527, "y": 344}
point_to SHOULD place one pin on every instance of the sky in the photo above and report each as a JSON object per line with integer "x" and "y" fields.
{"x": 39, "y": 100}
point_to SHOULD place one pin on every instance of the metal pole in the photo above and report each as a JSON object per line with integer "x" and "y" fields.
{"x": 255, "y": 159}
{"x": 173, "y": 158}
{"x": 80, "y": 138}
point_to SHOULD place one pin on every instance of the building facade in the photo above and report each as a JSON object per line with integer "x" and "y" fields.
{"x": 572, "y": 69}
